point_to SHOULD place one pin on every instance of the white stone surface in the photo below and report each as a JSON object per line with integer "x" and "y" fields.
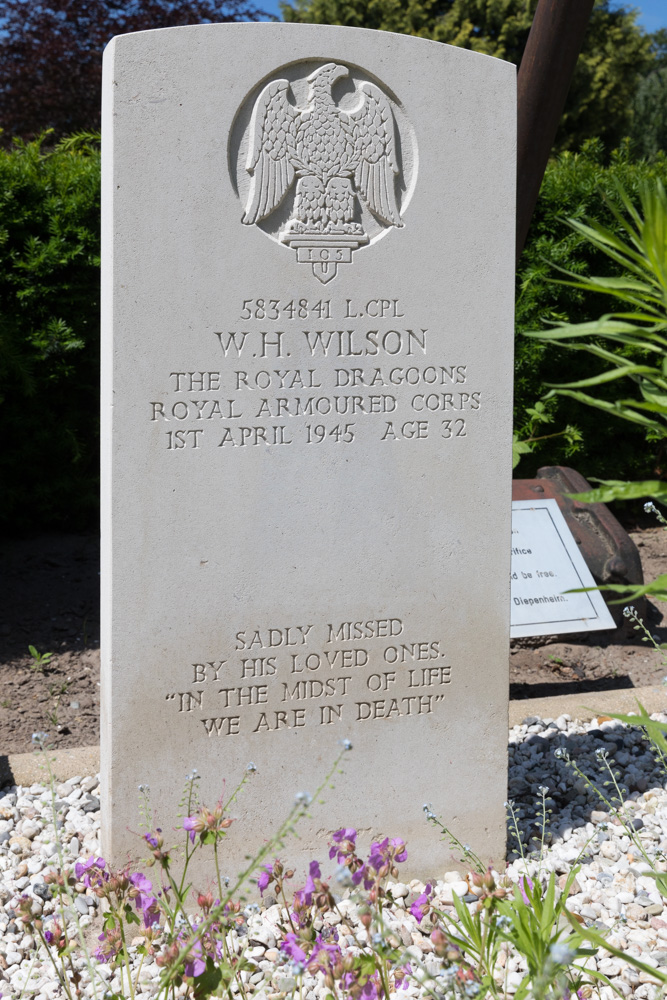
{"x": 265, "y": 593}
{"x": 546, "y": 563}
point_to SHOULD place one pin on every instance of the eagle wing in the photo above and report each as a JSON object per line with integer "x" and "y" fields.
{"x": 376, "y": 164}
{"x": 271, "y": 148}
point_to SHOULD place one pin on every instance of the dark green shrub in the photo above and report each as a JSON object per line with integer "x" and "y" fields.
{"x": 49, "y": 334}
{"x": 575, "y": 186}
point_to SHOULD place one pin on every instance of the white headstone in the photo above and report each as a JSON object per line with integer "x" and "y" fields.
{"x": 308, "y": 321}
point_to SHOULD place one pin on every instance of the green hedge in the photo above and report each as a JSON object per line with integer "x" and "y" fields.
{"x": 49, "y": 335}
{"x": 49, "y": 326}
{"x": 575, "y": 186}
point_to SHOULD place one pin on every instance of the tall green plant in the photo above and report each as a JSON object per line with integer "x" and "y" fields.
{"x": 631, "y": 342}
{"x": 49, "y": 332}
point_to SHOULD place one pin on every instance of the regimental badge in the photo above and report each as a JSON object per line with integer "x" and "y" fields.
{"x": 333, "y": 165}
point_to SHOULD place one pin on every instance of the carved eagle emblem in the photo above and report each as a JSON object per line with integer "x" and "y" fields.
{"x": 336, "y": 157}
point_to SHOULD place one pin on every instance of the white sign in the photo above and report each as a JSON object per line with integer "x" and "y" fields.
{"x": 546, "y": 562}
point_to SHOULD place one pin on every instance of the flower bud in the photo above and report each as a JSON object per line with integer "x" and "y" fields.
{"x": 205, "y": 901}
{"x": 439, "y": 939}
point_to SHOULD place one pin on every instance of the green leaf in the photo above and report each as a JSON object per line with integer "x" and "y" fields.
{"x": 612, "y": 489}
{"x": 601, "y": 942}
{"x": 630, "y": 592}
{"x": 206, "y": 984}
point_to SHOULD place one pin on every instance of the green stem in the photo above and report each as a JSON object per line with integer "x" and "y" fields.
{"x": 126, "y": 957}
{"x": 289, "y": 915}
{"x": 296, "y": 813}
{"x": 233, "y": 965}
{"x": 62, "y": 978}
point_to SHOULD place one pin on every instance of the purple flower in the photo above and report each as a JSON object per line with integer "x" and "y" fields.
{"x": 400, "y": 851}
{"x": 142, "y": 883}
{"x": 194, "y": 964}
{"x": 524, "y": 881}
{"x": 363, "y": 874}
{"x": 305, "y": 895}
{"x": 386, "y": 852}
{"x": 50, "y": 937}
{"x": 190, "y": 823}
{"x": 145, "y": 901}
{"x": 264, "y": 878}
{"x": 324, "y": 955}
{"x": 93, "y": 867}
{"x": 344, "y": 842}
{"x": 420, "y": 907}
{"x": 152, "y": 840}
{"x": 150, "y": 911}
{"x": 110, "y": 946}
{"x": 345, "y": 833}
{"x": 292, "y": 949}
{"x": 370, "y": 990}
{"x": 401, "y": 976}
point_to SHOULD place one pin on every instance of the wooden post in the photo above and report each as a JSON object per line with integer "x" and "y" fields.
{"x": 544, "y": 79}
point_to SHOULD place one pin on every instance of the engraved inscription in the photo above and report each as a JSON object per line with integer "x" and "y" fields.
{"x": 385, "y": 381}
{"x": 299, "y": 675}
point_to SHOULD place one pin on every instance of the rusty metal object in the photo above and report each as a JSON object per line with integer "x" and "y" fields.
{"x": 610, "y": 553}
{"x": 545, "y": 74}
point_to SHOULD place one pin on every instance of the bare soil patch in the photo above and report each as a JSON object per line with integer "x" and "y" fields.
{"x": 50, "y": 599}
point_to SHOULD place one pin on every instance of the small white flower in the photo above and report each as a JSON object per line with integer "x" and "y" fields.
{"x": 251, "y": 766}
{"x": 543, "y": 789}
{"x": 561, "y": 953}
{"x": 629, "y": 611}
{"x": 650, "y": 507}
{"x": 450, "y": 974}
{"x": 303, "y": 798}
{"x": 39, "y": 737}
{"x": 343, "y": 876}
{"x": 347, "y": 744}
{"x": 601, "y": 753}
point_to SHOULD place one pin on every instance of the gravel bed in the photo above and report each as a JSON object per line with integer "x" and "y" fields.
{"x": 611, "y": 890}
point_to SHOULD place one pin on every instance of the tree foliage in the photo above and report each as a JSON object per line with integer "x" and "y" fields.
{"x": 51, "y": 54}
{"x": 615, "y": 54}
{"x": 649, "y": 127}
